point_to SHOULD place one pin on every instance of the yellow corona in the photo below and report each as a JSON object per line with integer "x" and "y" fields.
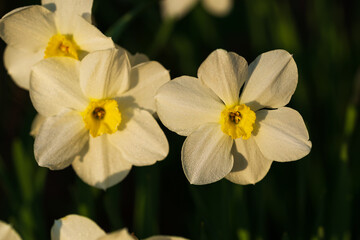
{"x": 62, "y": 46}
{"x": 102, "y": 116}
{"x": 237, "y": 121}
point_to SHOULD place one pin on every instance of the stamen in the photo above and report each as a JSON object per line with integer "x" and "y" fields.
{"x": 99, "y": 113}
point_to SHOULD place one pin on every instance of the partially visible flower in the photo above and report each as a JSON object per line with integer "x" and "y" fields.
{"x": 76, "y": 227}
{"x": 98, "y": 115}
{"x": 179, "y": 8}
{"x": 230, "y": 133}
{"x": 57, "y": 28}
{"x": 7, "y": 232}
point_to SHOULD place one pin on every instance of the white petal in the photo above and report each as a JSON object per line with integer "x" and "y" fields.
{"x": 102, "y": 165}
{"x": 29, "y": 28}
{"x": 134, "y": 59}
{"x": 250, "y": 165}
{"x": 138, "y": 58}
{"x": 272, "y": 80}
{"x": 7, "y": 232}
{"x": 66, "y": 9}
{"x": 218, "y": 7}
{"x": 54, "y": 85}
{"x": 36, "y": 124}
{"x": 76, "y": 227}
{"x": 122, "y": 234}
{"x": 145, "y": 80}
{"x": 60, "y": 138}
{"x": 18, "y": 64}
{"x": 104, "y": 73}
{"x": 86, "y": 35}
{"x": 140, "y": 139}
{"x": 224, "y": 72}
{"x": 164, "y": 238}
{"x": 282, "y": 135}
{"x": 185, "y": 103}
{"x": 206, "y": 155}
{"x": 176, "y": 8}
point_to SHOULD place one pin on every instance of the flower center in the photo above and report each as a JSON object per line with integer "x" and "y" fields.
{"x": 98, "y": 113}
{"x": 102, "y": 116}
{"x": 237, "y": 121}
{"x": 62, "y": 46}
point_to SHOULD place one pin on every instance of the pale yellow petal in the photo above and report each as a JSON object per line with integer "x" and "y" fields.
{"x": 75, "y": 227}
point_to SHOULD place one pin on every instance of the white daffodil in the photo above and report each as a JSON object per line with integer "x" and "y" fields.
{"x": 98, "y": 115}
{"x": 75, "y": 227}
{"x": 230, "y": 133}
{"x": 7, "y": 232}
{"x": 135, "y": 59}
{"x": 57, "y": 28}
{"x": 178, "y": 8}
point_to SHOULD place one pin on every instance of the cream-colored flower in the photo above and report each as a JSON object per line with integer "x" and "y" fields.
{"x": 98, "y": 115}
{"x": 179, "y": 8}
{"x": 57, "y": 28}
{"x": 75, "y": 227}
{"x": 7, "y": 232}
{"x": 134, "y": 59}
{"x": 230, "y": 133}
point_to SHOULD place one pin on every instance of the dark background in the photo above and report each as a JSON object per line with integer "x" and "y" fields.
{"x": 317, "y": 197}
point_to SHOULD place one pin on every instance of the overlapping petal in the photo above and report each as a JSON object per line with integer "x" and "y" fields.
{"x": 7, "y": 232}
{"x": 103, "y": 74}
{"x": 60, "y": 138}
{"x": 224, "y": 72}
{"x": 29, "y": 28}
{"x": 272, "y": 80}
{"x": 134, "y": 59}
{"x": 66, "y": 9}
{"x": 36, "y": 124}
{"x": 206, "y": 155}
{"x": 218, "y": 7}
{"x": 185, "y": 103}
{"x": 76, "y": 227}
{"x": 145, "y": 80}
{"x": 250, "y": 165}
{"x": 86, "y": 35}
{"x": 282, "y": 135}
{"x": 18, "y": 63}
{"x": 101, "y": 165}
{"x": 55, "y": 85}
{"x": 140, "y": 139}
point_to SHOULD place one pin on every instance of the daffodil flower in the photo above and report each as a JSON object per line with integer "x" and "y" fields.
{"x": 98, "y": 115}
{"x": 232, "y": 133}
{"x": 76, "y": 227}
{"x": 178, "y": 8}
{"x": 7, "y": 232}
{"x": 134, "y": 59}
{"x": 57, "y": 28}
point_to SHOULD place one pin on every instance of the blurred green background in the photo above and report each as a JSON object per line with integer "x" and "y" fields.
{"x": 317, "y": 197}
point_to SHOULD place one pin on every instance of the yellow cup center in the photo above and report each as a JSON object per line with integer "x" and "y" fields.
{"x": 237, "y": 121}
{"x": 62, "y": 46}
{"x": 102, "y": 116}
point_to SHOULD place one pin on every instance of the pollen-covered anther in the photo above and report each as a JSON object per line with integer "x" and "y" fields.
{"x": 102, "y": 116}
{"x": 235, "y": 117}
{"x": 99, "y": 113}
{"x": 237, "y": 121}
